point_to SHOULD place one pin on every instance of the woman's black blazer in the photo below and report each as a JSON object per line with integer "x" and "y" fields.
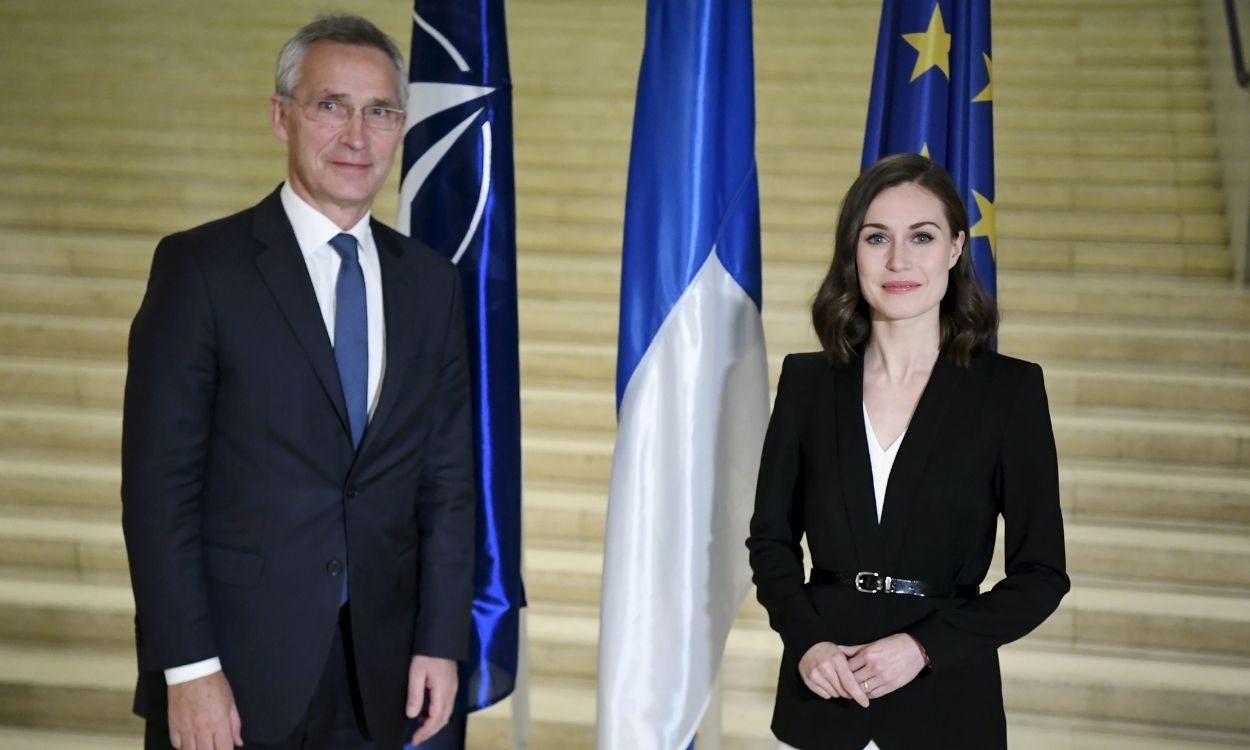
{"x": 978, "y": 445}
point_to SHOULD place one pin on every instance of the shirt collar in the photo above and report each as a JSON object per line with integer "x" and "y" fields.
{"x": 313, "y": 230}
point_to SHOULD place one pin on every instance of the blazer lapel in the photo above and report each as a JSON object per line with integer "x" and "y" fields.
{"x": 401, "y": 319}
{"x": 923, "y": 433}
{"x": 853, "y": 465}
{"x": 284, "y": 271}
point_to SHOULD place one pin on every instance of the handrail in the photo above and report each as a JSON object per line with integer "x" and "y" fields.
{"x": 1234, "y": 40}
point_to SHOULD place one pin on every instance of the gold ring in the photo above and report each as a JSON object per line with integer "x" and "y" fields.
{"x": 865, "y": 685}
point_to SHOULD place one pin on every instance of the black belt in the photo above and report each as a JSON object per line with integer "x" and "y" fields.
{"x": 867, "y": 582}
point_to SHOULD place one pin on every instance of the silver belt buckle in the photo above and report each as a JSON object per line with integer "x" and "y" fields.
{"x": 876, "y": 587}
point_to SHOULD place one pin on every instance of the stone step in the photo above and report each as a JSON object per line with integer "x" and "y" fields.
{"x": 79, "y": 337}
{"x": 1211, "y": 439}
{"x": 572, "y": 419}
{"x": 26, "y": 738}
{"x": 788, "y": 288}
{"x": 1022, "y": 179}
{"x": 1027, "y": 108}
{"x": 791, "y": 284}
{"x": 1039, "y": 339}
{"x": 1038, "y": 675}
{"x": 1165, "y": 390}
{"x": 1211, "y": 558}
{"x": 69, "y": 430}
{"x": 67, "y": 688}
{"x": 593, "y": 364}
{"x": 594, "y": 251}
{"x": 1207, "y": 557}
{"x": 1023, "y": 104}
{"x": 1154, "y": 491}
{"x": 539, "y": 29}
{"x": 562, "y": 645}
{"x": 1033, "y": 337}
{"x": 562, "y": 713}
{"x": 1028, "y": 249}
{"x": 1073, "y": 385}
{"x": 1189, "y": 159}
{"x": 841, "y": 73}
{"x": 1057, "y": 185}
{"x": 1090, "y": 490}
{"x": 70, "y": 295}
{"x": 93, "y": 254}
{"x": 842, "y": 108}
{"x": 46, "y": 612}
{"x": 551, "y": 133}
{"x": 57, "y": 381}
{"x": 58, "y": 485}
{"x": 605, "y": 216}
{"x": 550, "y": 193}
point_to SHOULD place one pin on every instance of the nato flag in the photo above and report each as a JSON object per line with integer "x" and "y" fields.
{"x": 457, "y": 196}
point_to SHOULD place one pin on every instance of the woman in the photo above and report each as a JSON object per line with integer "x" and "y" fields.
{"x": 895, "y": 450}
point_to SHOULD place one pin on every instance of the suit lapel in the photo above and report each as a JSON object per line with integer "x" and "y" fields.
{"x": 284, "y": 271}
{"x": 401, "y": 320}
{"x": 923, "y": 433}
{"x": 853, "y": 464}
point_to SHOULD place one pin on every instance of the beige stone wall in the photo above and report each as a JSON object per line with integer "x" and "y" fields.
{"x": 1232, "y": 123}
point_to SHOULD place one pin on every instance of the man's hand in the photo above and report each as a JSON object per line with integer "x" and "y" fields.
{"x": 440, "y": 678}
{"x": 202, "y": 715}
{"x": 885, "y": 665}
{"x": 826, "y": 672}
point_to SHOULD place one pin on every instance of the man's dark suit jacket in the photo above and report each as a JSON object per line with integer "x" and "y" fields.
{"x": 979, "y": 444}
{"x": 243, "y": 497}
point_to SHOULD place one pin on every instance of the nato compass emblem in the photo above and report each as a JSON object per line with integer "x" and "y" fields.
{"x": 434, "y": 52}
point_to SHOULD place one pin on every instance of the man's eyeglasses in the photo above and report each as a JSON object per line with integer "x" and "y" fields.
{"x": 337, "y": 113}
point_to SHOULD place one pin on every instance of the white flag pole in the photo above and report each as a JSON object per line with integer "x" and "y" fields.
{"x": 521, "y": 689}
{"x": 711, "y": 728}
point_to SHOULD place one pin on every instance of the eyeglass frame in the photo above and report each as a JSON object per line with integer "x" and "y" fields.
{"x": 402, "y": 115}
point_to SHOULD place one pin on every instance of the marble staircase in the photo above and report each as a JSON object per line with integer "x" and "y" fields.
{"x": 129, "y": 119}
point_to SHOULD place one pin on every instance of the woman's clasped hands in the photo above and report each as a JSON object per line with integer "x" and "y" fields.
{"x": 862, "y": 672}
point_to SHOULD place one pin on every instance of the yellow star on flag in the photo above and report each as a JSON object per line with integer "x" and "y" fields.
{"x": 985, "y": 226}
{"x": 987, "y": 93}
{"x": 924, "y": 150}
{"x": 934, "y": 46}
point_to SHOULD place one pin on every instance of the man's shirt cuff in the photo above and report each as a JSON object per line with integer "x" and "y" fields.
{"x": 188, "y": 672}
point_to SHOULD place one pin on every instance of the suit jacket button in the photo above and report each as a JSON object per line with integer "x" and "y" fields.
{"x": 351, "y": 490}
{"x": 334, "y": 567}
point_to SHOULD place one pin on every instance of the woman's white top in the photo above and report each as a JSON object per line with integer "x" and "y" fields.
{"x": 882, "y": 461}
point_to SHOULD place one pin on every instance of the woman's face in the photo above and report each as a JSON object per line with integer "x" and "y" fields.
{"x": 903, "y": 254}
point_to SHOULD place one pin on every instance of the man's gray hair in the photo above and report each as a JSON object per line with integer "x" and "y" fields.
{"x": 341, "y": 29}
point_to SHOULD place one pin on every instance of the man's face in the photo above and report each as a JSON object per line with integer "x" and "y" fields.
{"x": 338, "y": 169}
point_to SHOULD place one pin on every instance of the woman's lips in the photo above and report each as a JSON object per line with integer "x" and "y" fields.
{"x": 900, "y": 287}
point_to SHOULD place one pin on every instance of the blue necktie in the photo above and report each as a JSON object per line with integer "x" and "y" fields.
{"x": 351, "y": 344}
{"x": 351, "y": 335}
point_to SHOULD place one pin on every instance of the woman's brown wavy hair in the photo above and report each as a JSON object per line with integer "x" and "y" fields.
{"x": 969, "y": 317}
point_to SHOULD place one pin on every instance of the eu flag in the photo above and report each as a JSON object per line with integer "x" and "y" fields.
{"x": 457, "y": 196}
{"x": 932, "y": 94}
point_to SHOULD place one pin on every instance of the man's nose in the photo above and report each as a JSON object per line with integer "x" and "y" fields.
{"x": 353, "y": 133}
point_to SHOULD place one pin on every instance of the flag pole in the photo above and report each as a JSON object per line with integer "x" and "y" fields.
{"x": 521, "y": 688}
{"x": 712, "y": 728}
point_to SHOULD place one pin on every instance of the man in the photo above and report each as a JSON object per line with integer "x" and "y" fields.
{"x": 297, "y": 477}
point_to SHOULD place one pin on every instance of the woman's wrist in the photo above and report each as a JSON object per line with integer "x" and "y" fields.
{"x": 923, "y": 654}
